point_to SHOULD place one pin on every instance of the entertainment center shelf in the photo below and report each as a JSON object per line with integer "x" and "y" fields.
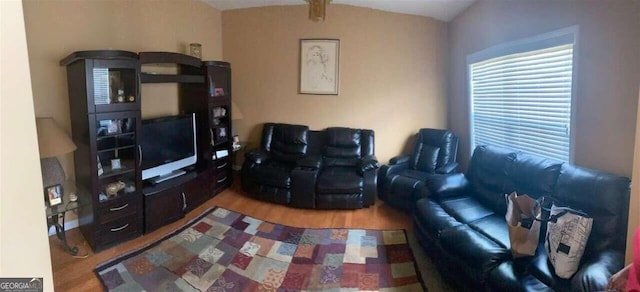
{"x": 104, "y": 97}
{"x": 168, "y": 78}
{"x": 165, "y": 58}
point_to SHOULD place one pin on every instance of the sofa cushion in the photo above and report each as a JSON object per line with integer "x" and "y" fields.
{"x": 488, "y": 174}
{"x": 414, "y": 174}
{"x": 477, "y": 254}
{"x": 541, "y": 268}
{"x": 285, "y": 142}
{"x": 426, "y": 159}
{"x": 603, "y": 196}
{"x": 465, "y": 209}
{"x": 495, "y": 228}
{"x": 532, "y": 175}
{"x": 343, "y": 147}
{"x": 340, "y": 180}
{"x": 511, "y": 276}
{"x": 432, "y": 217}
{"x": 273, "y": 173}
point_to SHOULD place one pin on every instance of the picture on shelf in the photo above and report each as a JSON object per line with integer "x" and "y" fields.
{"x": 100, "y": 170}
{"x": 115, "y": 163}
{"x": 219, "y": 112}
{"x": 222, "y": 134}
{"x": 53, "y": 195}
{"x": 112, "y": 126}
{"x": 218, "y": 91}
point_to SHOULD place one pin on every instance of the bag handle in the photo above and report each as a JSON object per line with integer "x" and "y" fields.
{"x": 541, "y": 202}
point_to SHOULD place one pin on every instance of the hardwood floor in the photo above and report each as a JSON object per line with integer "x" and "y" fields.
{"x": 76, "y": 274}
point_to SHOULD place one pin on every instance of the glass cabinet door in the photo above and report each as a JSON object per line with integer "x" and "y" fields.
{"x": 117, "y": 155}
{"x": 220, "y": 125}
{"x": 115, "y": 85}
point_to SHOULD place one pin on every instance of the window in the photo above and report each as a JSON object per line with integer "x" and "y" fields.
{"x": 521, "y": 95}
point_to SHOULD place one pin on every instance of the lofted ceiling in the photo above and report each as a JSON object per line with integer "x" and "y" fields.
{"x": 444, "y": 10}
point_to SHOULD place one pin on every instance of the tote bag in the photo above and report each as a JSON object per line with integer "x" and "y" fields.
{"x": 568, "y": 231}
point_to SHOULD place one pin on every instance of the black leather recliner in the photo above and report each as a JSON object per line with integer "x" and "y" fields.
{"x": 401, "y": 181}
{"x": 462, "y": 227}
{"x": 267, "y": 171}
{"x": 347, "y": 178}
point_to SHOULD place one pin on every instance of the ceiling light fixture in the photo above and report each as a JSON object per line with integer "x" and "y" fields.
{"x": 317, "y": 9}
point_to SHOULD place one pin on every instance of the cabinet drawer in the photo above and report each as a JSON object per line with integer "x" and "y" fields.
{"x": 222, "y": 164}
{"x": 118, "y": 209}
{"x": 221, "y": 181}
{"x": 118, "y": 230}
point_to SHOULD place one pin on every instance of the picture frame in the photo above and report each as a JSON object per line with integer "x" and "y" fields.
{"x": 221, "y": 134}
{"x": 53, "y": 195}
{"x": 319, "y": 66}
{"x": 115, "y": 163}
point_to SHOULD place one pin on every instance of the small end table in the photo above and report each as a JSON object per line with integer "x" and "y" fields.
{"x": 239, "y": 147}
{"x": 57, "y": 212}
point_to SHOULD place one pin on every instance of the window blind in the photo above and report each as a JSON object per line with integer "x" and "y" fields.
{"x": 523, "y": 101}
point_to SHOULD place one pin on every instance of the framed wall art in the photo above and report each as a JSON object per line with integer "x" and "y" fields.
{"x": 319, "y": 66}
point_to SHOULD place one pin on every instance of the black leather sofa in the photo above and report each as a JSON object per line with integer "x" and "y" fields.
{"x": 331, "y": 169}
{"x": 434, "y": 152}
{"x": 461, "y": 222}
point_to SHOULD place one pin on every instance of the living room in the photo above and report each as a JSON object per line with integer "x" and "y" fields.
{"x": 398, "y": 72}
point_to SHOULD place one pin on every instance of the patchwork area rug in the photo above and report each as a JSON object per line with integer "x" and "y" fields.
{"x": 222, "y": 250}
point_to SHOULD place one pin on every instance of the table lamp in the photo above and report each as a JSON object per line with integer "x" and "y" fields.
{"x": 52, "y": 142}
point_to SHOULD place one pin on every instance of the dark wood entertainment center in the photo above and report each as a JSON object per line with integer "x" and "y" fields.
{"x": 104, "y": 98}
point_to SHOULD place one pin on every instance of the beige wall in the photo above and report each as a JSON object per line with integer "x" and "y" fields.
{"x": 634, "y": 203}
{"x": 608, "y": 68}
{"x": 24, "y": 248}
{"x": 393, "y": 70}
{"x": 58, "y": 28}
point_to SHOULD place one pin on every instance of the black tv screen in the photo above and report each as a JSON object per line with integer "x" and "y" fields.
{"x": 168, "y": 144}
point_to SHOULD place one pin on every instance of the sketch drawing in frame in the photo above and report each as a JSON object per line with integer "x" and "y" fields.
{"x": 319, "y": 66}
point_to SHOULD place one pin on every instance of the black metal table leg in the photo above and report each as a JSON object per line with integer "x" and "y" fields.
{"x": 61, "y": 234}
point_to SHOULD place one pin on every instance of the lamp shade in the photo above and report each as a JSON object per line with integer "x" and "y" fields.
{"x": 52, "y": 140}
{"x": 236, "y": 113}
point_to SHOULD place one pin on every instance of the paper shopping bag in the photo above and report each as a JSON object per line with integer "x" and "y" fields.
{"x": 524, "y": 231}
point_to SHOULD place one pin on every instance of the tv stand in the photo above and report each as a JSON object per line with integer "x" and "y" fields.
{"x": 168, "y": 176}
{"x": 171, "y": 199}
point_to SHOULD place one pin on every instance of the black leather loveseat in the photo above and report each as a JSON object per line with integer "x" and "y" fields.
{"x": 461, "y": 223}
{"x": 331, "y": 169}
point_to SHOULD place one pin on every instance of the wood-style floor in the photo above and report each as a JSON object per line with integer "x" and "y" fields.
{"x": 76, "y": 274}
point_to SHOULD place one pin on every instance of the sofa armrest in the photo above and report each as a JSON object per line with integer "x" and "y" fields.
{"x": 257, "y": 156}
{"x": 448, "y": 168}
{"x": 594, "y": 273}
{"x": 399, "y": 159}
{"x": 447, "y": 185}
{"x": 367, "y": 163}
{"x": 310, "y": 162}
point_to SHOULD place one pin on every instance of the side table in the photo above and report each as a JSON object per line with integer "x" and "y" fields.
{"x": 238, "y": 148}
{"x": 57, "y": 213}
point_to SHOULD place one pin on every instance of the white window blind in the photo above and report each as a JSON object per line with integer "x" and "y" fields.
{"x": 523, "y": 101}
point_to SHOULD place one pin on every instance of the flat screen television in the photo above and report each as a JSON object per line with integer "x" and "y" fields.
{"x": 168, "y": 145}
